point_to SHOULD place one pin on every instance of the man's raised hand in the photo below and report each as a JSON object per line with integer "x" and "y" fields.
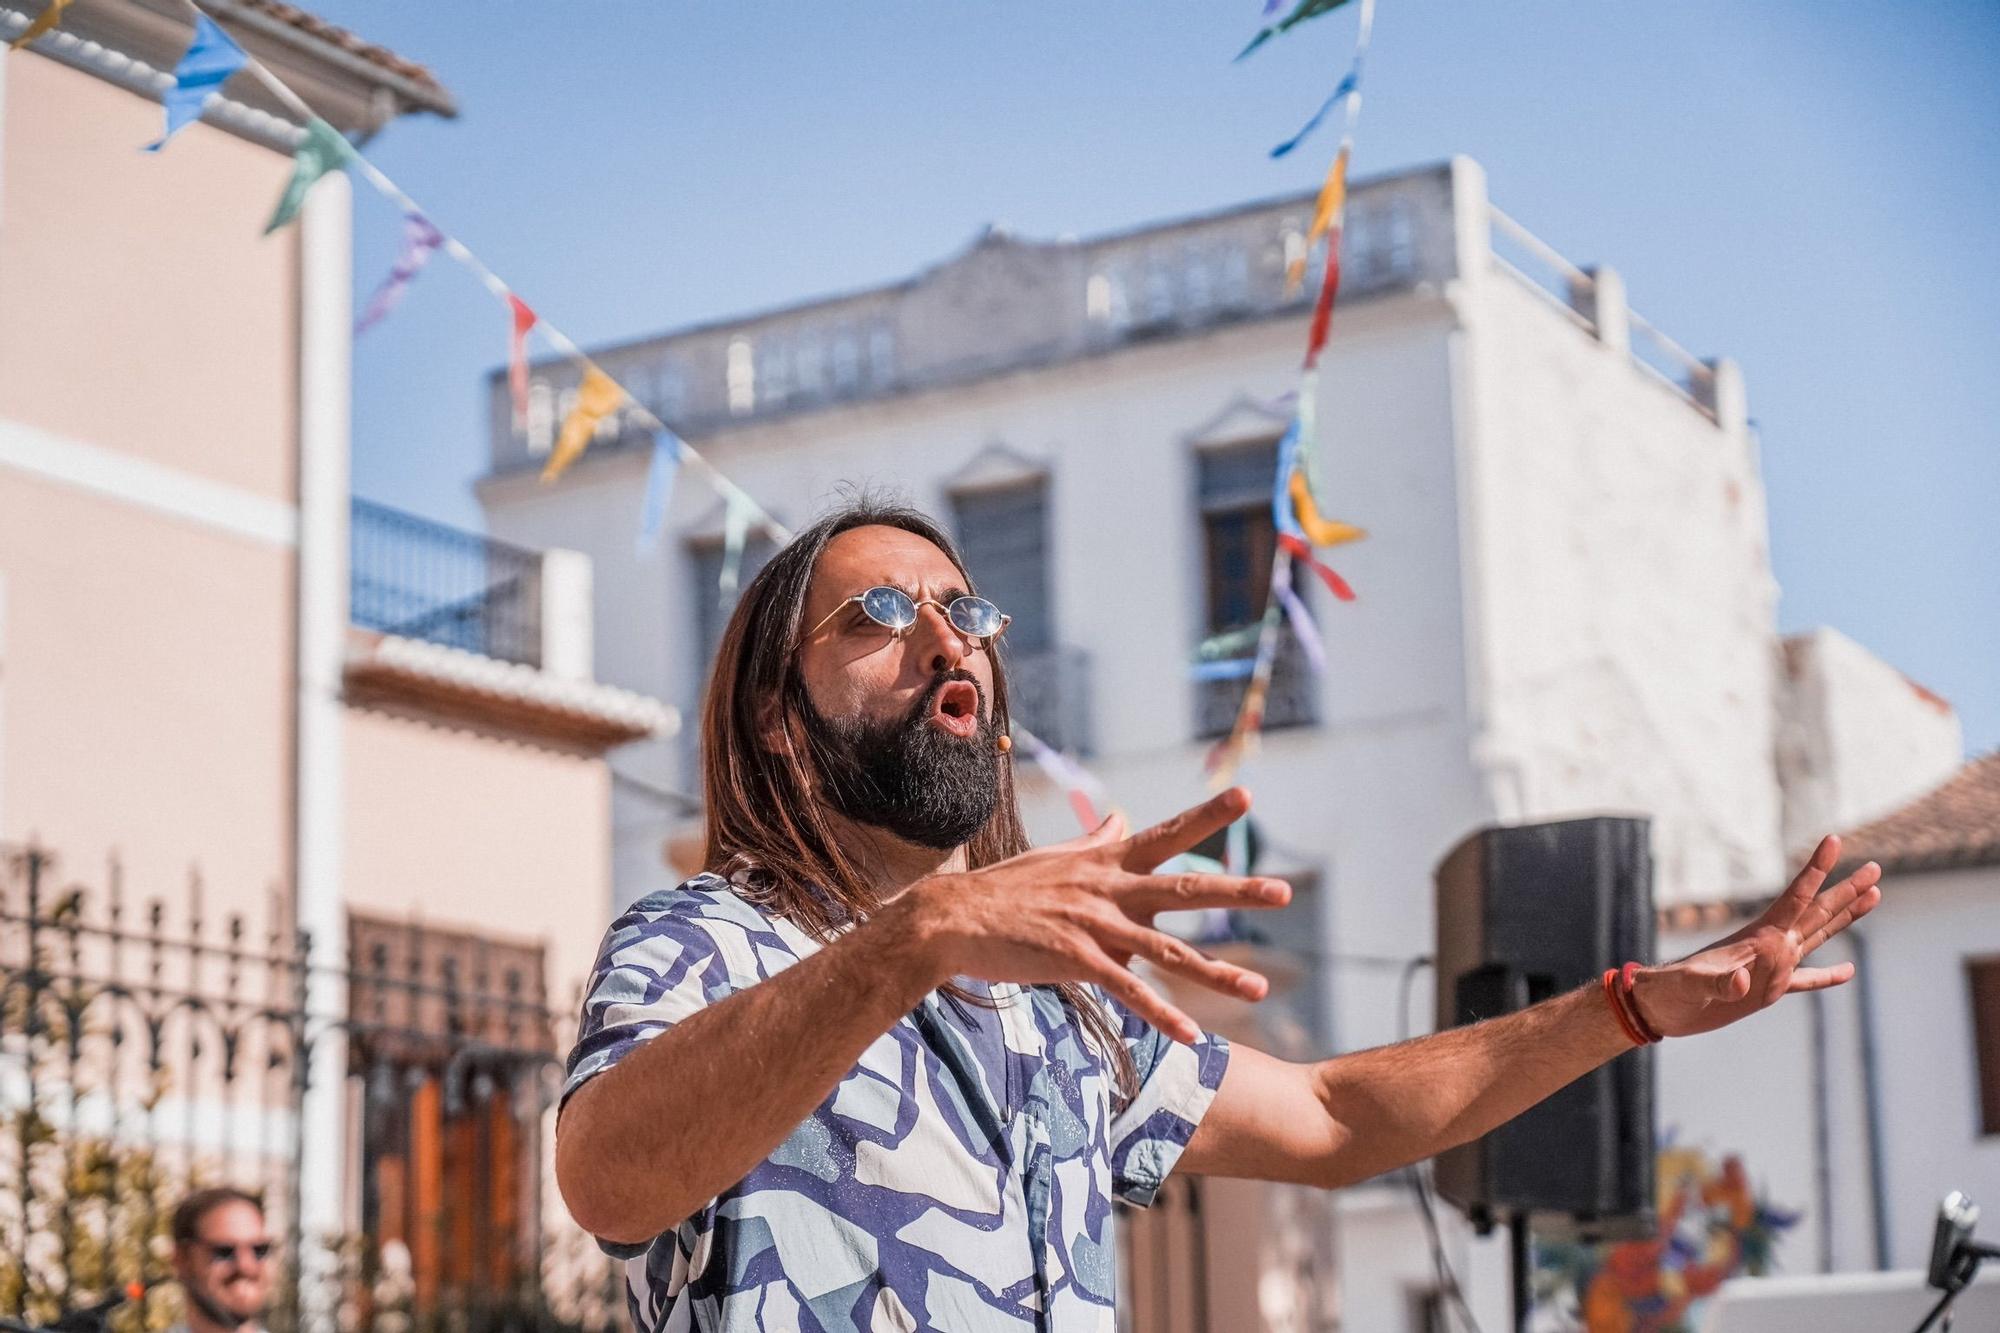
{"x": 1082, "y": 910}
{"x": 1753, "y": 968}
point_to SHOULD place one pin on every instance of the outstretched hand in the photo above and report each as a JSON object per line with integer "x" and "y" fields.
{"x": 1749, "y": 970}
{"x": 1083, "y": 910}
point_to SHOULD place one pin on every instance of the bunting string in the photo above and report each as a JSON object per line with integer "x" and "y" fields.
{"x": 1302, "y": 524}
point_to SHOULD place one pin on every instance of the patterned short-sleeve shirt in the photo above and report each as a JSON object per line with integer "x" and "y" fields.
{"x": 959, "y": 1177}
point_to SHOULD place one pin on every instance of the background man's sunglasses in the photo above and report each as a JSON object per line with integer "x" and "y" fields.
{"x": 220, "y": 1254}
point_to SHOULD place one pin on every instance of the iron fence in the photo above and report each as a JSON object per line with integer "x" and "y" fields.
{"x": 141, "y": 1059}
{"x": 424, "y": 580}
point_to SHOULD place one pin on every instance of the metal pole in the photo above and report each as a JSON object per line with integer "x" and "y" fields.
{"x": 1523, "y": 1276}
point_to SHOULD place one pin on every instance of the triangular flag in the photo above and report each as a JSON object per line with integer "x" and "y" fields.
{"x": 420, "y": 242}
{"x": 517, "y": 356}
{"x": 211, "y": 58}
{"x": 1326, "y": 216}
{"x": 1322, "y": 320}
{"x": 735, "y": 530}
{"x": 1308, "y": 9}
{"x": 321, "y": 151}
{"x": 1303, "y": 626}
{"x": 1346, "y": 86}
{"x": 44, "y": 22}
{"x": 659, "y": 488}
{"x": 596, "y": 398}
{"x": 1319, "y": 530}
{"x": 1298, "y": 550}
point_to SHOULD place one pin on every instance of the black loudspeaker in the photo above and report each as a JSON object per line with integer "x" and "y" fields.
{"x": 1525, "y": 913}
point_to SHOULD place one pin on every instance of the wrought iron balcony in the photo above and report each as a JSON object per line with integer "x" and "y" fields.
{"x": 1048, "y": 692}
{"x": 1293, "y": 700}
{"x": 422, "y": 580}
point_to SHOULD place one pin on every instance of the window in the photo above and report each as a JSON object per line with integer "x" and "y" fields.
{"x": 1159, "y": 293}
{"x": 1238, "y": 542}
{"x": 1983, "y": 978}
{"x": 774, "y": 373}
{"x": 1003, "y": 534}
{"x": 668, "y": 396}
{"x": 1400, "y": 244}
{"x": 1197, "y": 280}
{"x": 846, "y": 361}
{"x": 1235, "y": 279}
{"x": 1236, "y": 527}
{"x": 881, "y": 355}
{"x": 742, "y": 376}
{"x": 809, "y": 365}
{"x": 541, "y": 417}
{"x": 449, "y": 1034}
{"x": 711, "y": 611}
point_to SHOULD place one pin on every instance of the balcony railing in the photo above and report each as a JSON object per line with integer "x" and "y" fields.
{"x": 1048, "y": 692}
{"x": 1293, "y": 700}
{"x": 424, "y": 580}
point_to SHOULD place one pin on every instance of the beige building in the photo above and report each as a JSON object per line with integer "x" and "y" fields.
{"x": 227, "y": 687}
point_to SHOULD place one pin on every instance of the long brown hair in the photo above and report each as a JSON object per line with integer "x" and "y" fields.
{"x": 767, "y": 823}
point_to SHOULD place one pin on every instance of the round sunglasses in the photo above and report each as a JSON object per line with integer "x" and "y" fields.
{"x": 896, "y": 611}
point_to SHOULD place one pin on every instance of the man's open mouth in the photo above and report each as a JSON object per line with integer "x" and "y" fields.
{"x": 956, "y": 708}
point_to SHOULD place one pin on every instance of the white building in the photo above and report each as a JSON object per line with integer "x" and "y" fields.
{"x": 1565, "y": 602}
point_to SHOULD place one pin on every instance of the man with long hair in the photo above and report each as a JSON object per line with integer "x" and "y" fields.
{"x": 884, "y": 1066}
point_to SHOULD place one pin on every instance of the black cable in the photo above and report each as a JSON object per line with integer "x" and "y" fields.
{"x": 1448, "y": 1284}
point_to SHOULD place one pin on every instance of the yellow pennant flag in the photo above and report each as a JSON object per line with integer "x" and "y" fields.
{"x": 1332, "y": 198}
{"x": 45, "y": 22}
{"x": 1319, "y": 530}
{"x": 596, "y": 398}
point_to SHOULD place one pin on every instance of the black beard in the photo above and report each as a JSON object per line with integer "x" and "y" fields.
{"x": 905, "y": 775}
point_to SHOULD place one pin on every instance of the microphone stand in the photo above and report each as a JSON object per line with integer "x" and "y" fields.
{"x": 1965, "y": 1262}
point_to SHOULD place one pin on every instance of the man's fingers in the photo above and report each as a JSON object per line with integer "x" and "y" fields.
{"x": 1859, "y": 904}
{"x": 1733, "y": 984}
{"x": 1821, "y": 863}
{"x": 1819, "y": 978}
{"x": 1171, "y": 837}
{"x": 1144, "y": 1001}
{"x": 1183, "y": 959}
{"x": 1148, "y": 894}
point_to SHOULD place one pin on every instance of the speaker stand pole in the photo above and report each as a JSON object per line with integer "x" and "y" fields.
{"x": 1523, "y": 1273}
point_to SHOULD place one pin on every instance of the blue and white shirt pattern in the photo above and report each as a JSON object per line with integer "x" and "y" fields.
{"x": 960, "y": 1177}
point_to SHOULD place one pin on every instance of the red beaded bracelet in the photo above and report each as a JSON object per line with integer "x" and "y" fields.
{"x": 1625, "y": 976}
{"x": 1627, "y": 1019}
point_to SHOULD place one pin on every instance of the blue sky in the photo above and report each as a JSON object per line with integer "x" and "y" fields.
{"x": 1803, "y": 186}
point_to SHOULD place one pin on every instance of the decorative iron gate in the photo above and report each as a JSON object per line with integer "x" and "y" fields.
{"x": 141, "y": 1058}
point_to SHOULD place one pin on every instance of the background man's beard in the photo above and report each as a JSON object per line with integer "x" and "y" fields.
{"x": 905, "y": 775}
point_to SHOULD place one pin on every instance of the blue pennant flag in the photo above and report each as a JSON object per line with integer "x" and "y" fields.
{"x": 1282, "y": 516}
{"x": 209, "y": 62}
{"x": 1347, "y": 85}
{"x": 659, "y": 488}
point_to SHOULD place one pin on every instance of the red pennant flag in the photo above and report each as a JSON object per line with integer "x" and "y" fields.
{"x": 1323, "y": 309}
{"x": 1298, "y": 550}
{"x": 517, "y": 356}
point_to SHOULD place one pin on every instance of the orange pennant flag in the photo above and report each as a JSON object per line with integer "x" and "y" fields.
{"x": 1319, "y": 530}
{"x": 1332, "y": 198}
{"x": 45, "y": 22}
{"x": 596, "y": 398}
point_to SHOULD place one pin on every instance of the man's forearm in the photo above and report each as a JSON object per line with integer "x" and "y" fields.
{"x": 690, "y": 1112}
{"x": 1400, "y": 1104}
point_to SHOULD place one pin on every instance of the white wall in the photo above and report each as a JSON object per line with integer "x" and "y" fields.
{"x": 1625, "y": 602}
{"x": 1856, "y": 739}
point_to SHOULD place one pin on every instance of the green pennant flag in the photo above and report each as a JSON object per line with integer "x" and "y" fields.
{"x": 322, "y": 150}
{"x": 1307, "y": 9}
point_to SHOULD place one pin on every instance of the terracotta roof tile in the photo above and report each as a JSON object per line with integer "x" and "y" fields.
{"x": 1956, "y": 825}
{"x": 333, "y": 35}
